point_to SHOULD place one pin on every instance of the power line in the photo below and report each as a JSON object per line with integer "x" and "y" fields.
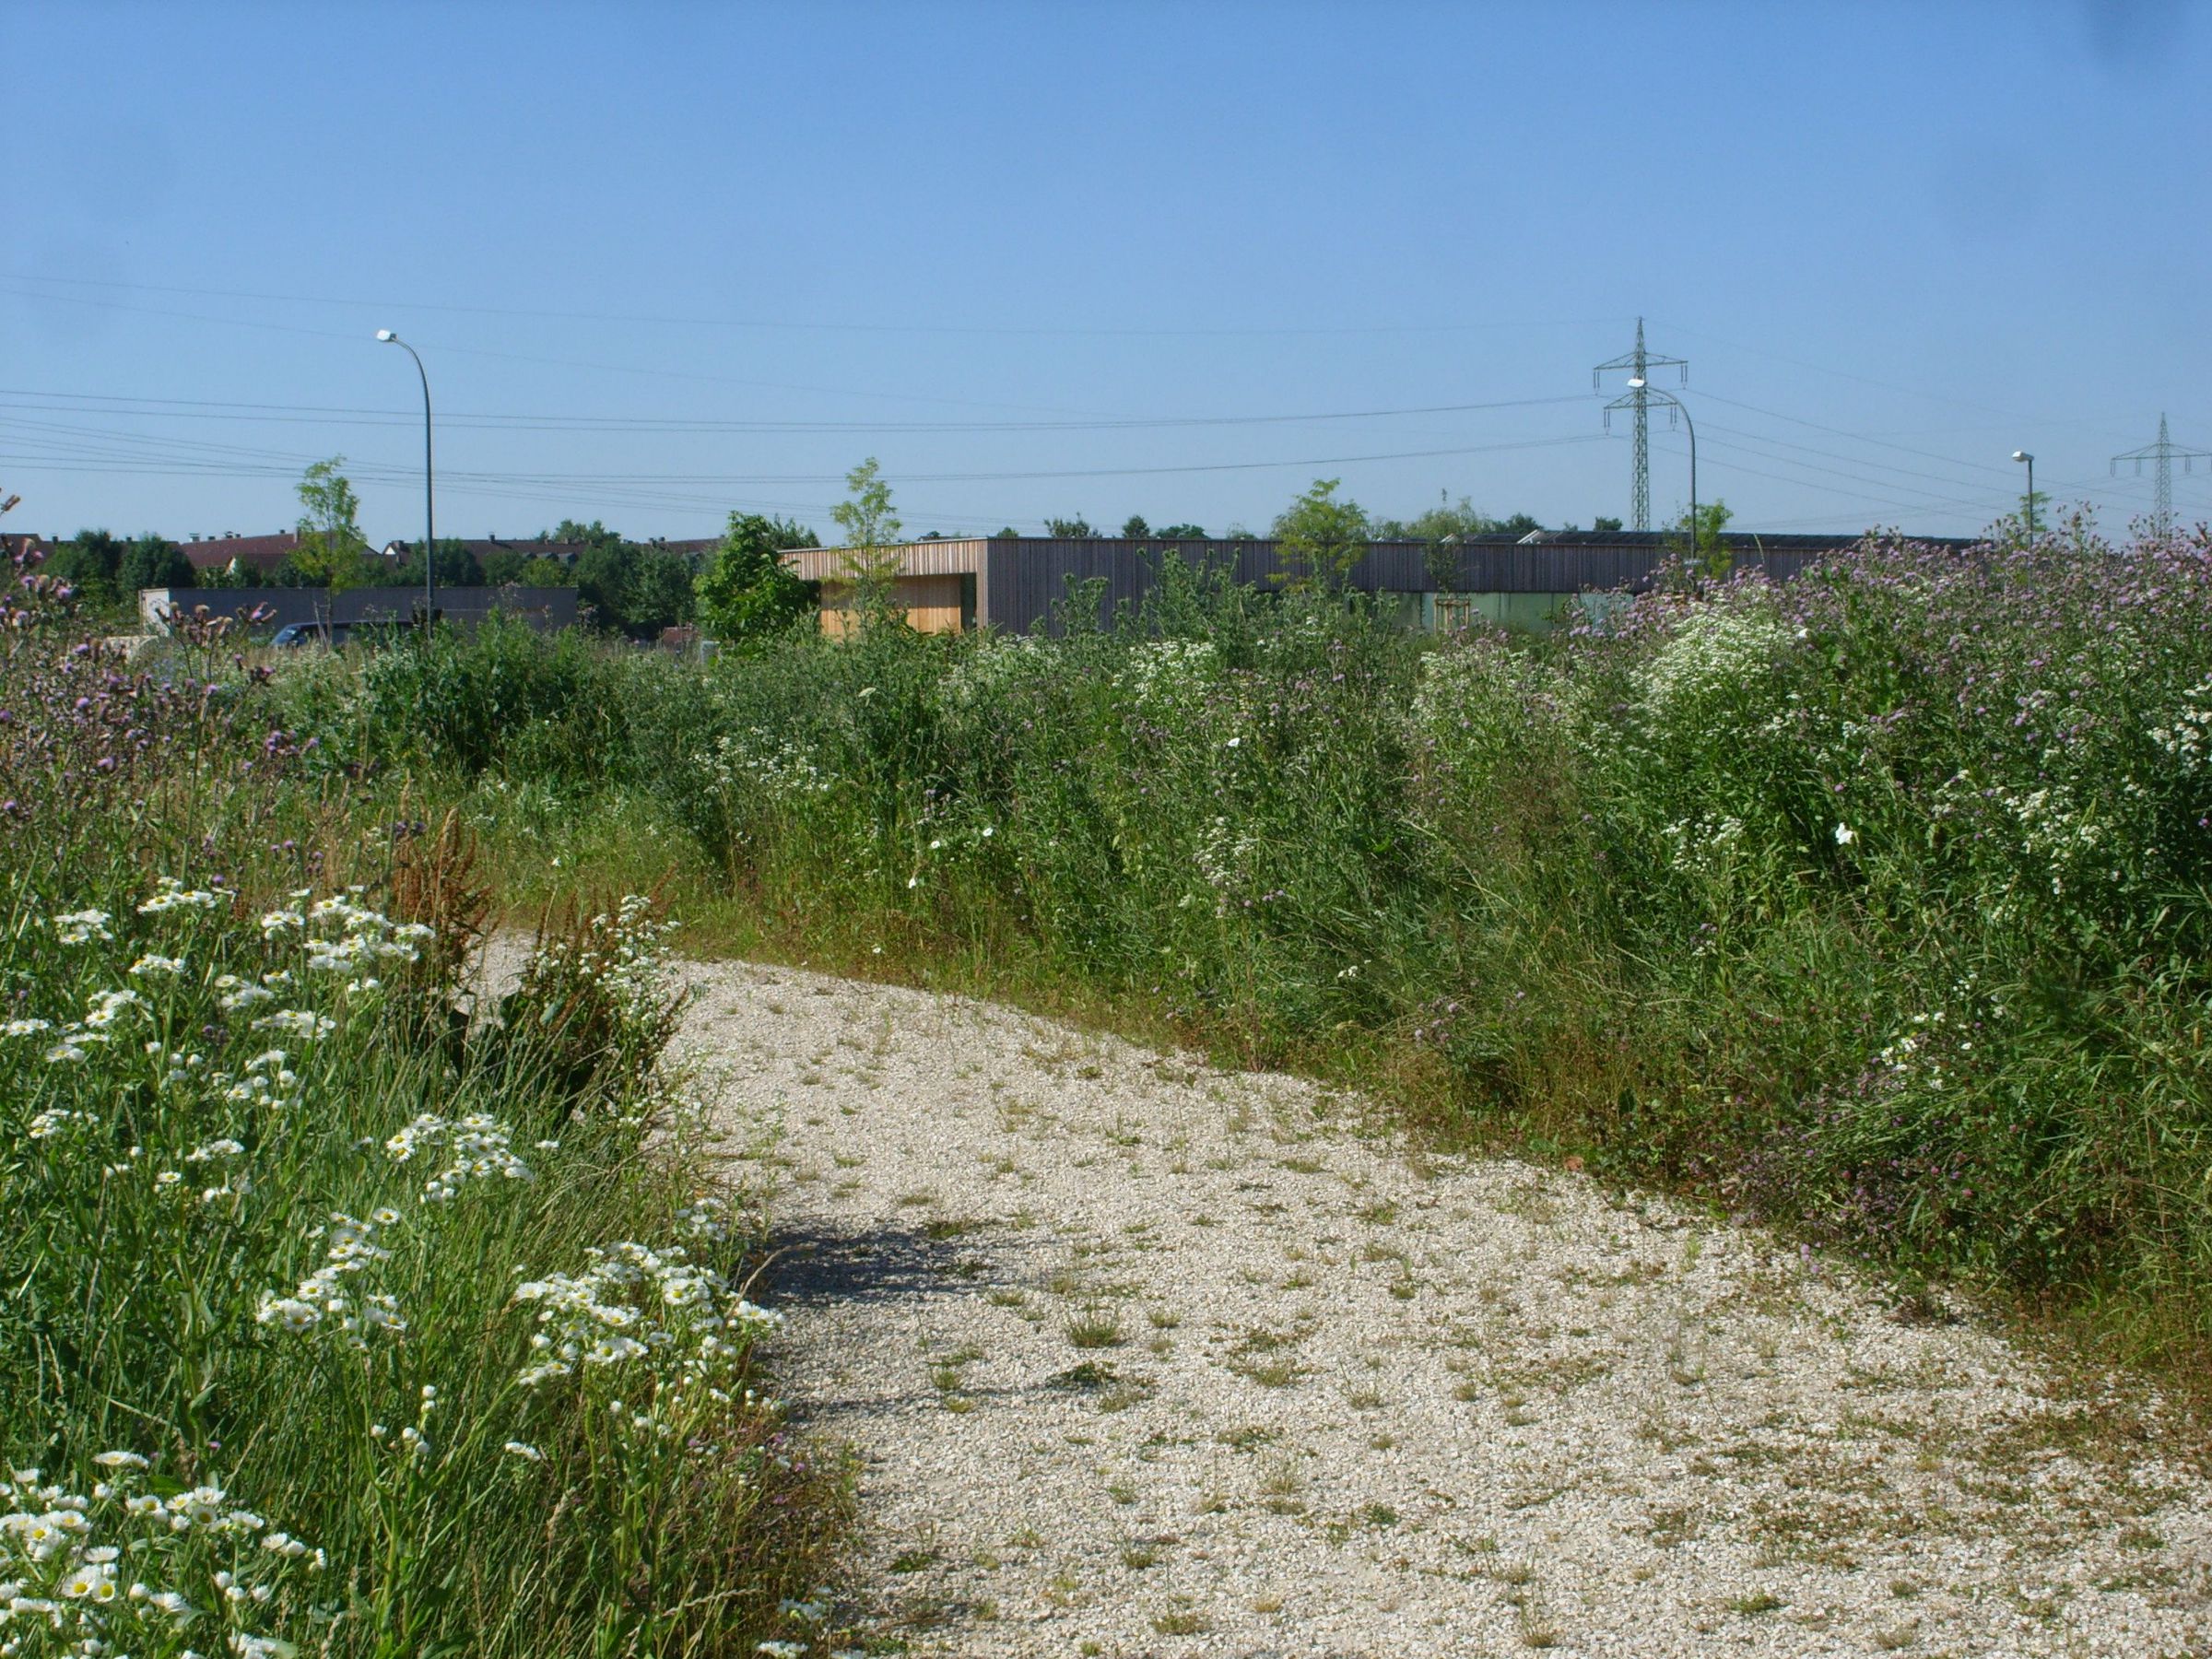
{"x": 197, "y": 408}
{"x": 259, "y": 462}
{"x": 1018, "y": 331}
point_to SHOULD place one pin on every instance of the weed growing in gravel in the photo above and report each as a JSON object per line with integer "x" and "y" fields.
{"x": 1094, "y": 1327}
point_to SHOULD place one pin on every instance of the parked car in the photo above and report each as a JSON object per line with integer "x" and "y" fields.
{"x": 378, "y": 631}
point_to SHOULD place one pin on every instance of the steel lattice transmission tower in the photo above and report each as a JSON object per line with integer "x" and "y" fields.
{"x": 2162, "y": 455}
{"x": 1639, "y": 363}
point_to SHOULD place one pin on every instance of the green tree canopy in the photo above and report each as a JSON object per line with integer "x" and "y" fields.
{"x": 89, "y": 562}
{"x": 1700, "y": 545}
{"x": 871, "y": 528}
{"x": 633, "y": 590}
{"x": 503, "y": 565}
{"x": 594, "y": 534}
{"x": 1070, "y": 529}
{"x": 332, "y": 552}
{"x": 151, "y": 563}
{"x": 454, "y": 566}
{"x": 1319, "y": 538}
{"x": 108, "y": 571}
{"x": 747, "y": 594}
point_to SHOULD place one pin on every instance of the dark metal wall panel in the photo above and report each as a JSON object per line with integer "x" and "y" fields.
{"x": 464, "y": 606}
{"x": 1021, "y": 579}
{"x": 1028, "y": 576}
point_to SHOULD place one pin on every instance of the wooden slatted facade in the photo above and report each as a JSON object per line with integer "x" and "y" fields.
{"x": 1016, "y": 582}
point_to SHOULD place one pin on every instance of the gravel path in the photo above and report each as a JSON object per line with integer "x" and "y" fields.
{"x": 1142, "y": 1357}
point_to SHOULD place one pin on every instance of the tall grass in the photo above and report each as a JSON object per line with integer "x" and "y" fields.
{"x": 337, "y": 1321}
{"x": 1875, "y": 901}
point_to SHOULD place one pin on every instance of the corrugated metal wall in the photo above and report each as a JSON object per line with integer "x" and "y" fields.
{"x": 1020, "y": 579}
{"x": 1025, "y": 577}
{"x": 463, "y": 606}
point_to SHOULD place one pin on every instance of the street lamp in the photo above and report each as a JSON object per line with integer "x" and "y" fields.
{"x": 1638, "y": 388}
{"x": 2024, "y": 457}
{"x": 429, "y": 517}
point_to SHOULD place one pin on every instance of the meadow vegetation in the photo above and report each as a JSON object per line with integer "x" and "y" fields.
{"x": 1873, "y": 903}
{"x": 337, "y": 1321}
{"x": 342, "y": 1316}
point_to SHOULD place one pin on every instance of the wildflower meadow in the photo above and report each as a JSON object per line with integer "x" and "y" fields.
{"x": 341, "y": 1319}
{"x": 357, "y": 1308}
{"x": 1873, "y": 902}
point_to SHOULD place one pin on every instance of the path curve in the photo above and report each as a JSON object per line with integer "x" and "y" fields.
{"x": 1143, "y": 1357}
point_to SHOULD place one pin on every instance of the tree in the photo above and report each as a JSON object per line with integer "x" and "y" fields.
{"x": 660, "y": 594}
{"x": 1008, "y": 532}
{"x": 1070, "y": 529}
{"x": 1134, "y": 528}
{"x": 1320, "y": 539}
{"x": 151, "y": 563}
{"x": 1606, "y": 526}
{"x": 504, "y": 565}
{"x": 332, "y": 552}
{"x": 238, "y": 574}
{"x": 871, "y": 527}
{"x": 748, "y": 594}
{"x": 1463, "y": 519}
{"x": 454, "y": 566}
{"x": 1181, "y": 532}
{"x": 544, "y": 572}
{"x": 604, "y": 575}
{"x": 89, "y": 562}
{"x": 1700, "y": 545}
{"x": 594, "y": 534}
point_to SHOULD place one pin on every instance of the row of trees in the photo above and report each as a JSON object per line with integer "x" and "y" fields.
{"x": 1446, "y": 520}
{"x": 737, "y": 590}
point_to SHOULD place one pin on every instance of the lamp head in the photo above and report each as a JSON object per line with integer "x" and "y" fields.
{"x": 386, "y": 335}
{"x": 1636, "y": 383}
{"x": 2022, "y": 455}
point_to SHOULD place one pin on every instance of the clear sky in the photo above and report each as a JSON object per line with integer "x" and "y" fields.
{"x": 1097, "y": 259}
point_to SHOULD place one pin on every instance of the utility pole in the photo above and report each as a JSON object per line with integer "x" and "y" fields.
{"x": 1639, "y": 363}
{"x": 2162, "y": 455}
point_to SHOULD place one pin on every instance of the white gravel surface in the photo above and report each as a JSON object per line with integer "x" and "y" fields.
{"x": 1142, "y": 1357}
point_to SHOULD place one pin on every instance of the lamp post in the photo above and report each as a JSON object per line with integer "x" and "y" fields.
{"x": 1638, "y": 387}
{"x": 429, "y": 516}
{"x": 2023, "y": 455}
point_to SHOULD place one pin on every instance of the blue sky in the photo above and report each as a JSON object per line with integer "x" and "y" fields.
{"x": 1097, "y": 259}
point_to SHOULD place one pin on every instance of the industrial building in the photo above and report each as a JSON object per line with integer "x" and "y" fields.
{"x": 1013, "y": 583}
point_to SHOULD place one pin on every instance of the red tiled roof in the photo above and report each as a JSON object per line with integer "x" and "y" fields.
{"x": 258, "y": 552}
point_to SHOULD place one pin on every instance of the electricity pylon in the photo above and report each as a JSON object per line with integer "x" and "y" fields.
{"x": 1639, "y": 363}
{"x": 2162, "y": 455}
